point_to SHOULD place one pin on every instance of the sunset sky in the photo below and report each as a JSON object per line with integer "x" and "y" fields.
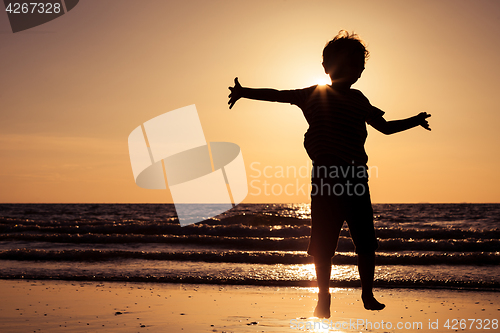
{"x": 73, "y": 89}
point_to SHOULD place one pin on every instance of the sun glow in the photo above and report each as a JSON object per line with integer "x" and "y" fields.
{"x": 323, "y": 80}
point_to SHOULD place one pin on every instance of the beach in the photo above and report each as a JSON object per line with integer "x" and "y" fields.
{"x": 133, "y": 268}
{"x": 82, "y": 306}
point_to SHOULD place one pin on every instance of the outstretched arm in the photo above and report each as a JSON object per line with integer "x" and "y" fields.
{"x": 270, "y": 95}
{"x": 395, "y": 126}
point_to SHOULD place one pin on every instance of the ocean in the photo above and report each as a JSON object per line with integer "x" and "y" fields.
{"x": 420, "y": 245}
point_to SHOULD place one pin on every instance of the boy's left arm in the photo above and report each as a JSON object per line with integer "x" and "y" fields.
{"x": 395, "y": 126}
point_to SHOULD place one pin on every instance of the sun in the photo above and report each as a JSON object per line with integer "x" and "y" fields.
{"x": 323, "y": 80}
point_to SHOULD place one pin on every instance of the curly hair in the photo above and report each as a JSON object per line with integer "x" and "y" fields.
{"x": 344, "y": 42}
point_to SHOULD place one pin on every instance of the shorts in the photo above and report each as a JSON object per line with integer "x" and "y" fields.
{"x": 340, "y": 193}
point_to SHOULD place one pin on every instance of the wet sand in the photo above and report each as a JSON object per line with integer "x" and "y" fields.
{"x": 62, "y": 306}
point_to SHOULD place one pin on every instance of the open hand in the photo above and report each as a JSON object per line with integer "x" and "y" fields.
{"x": 235, "y": 94}
{"x": 422, "y": 120}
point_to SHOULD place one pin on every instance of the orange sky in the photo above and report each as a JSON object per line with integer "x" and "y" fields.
{"x": 74, "y": 88}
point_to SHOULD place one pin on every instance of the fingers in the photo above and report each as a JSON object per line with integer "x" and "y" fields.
{"x": 425, "y": 125}
{"x": 233, "y": 96}
{"x": 230, "y": 96}
{"x": 236, "y": 84}
{"x": 423, "y": 122}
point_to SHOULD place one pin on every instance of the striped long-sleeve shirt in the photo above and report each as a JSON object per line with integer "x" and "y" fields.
{"x": 337, "y": 122}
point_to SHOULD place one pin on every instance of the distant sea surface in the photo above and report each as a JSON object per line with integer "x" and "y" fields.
{"x": 420, "y": 245}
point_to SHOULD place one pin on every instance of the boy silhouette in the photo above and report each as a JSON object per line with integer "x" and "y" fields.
{"x": 336, "y": 115}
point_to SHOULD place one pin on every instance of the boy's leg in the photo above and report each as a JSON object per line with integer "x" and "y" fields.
{"x": 327, "y": 217}
{"x": 323, "y": 242}
{"x": 362, "y": 230}
{"x": 366, "y": 268}
{"x": 325, "y": 231}
{"x": 323, "y": 266}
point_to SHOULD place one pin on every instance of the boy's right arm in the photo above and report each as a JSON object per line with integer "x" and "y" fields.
{"x": 270, "y": 95}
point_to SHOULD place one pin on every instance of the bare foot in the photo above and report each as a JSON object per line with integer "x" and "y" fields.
{"x": 323, "y": 307}
{"x": 371, "y": 303}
